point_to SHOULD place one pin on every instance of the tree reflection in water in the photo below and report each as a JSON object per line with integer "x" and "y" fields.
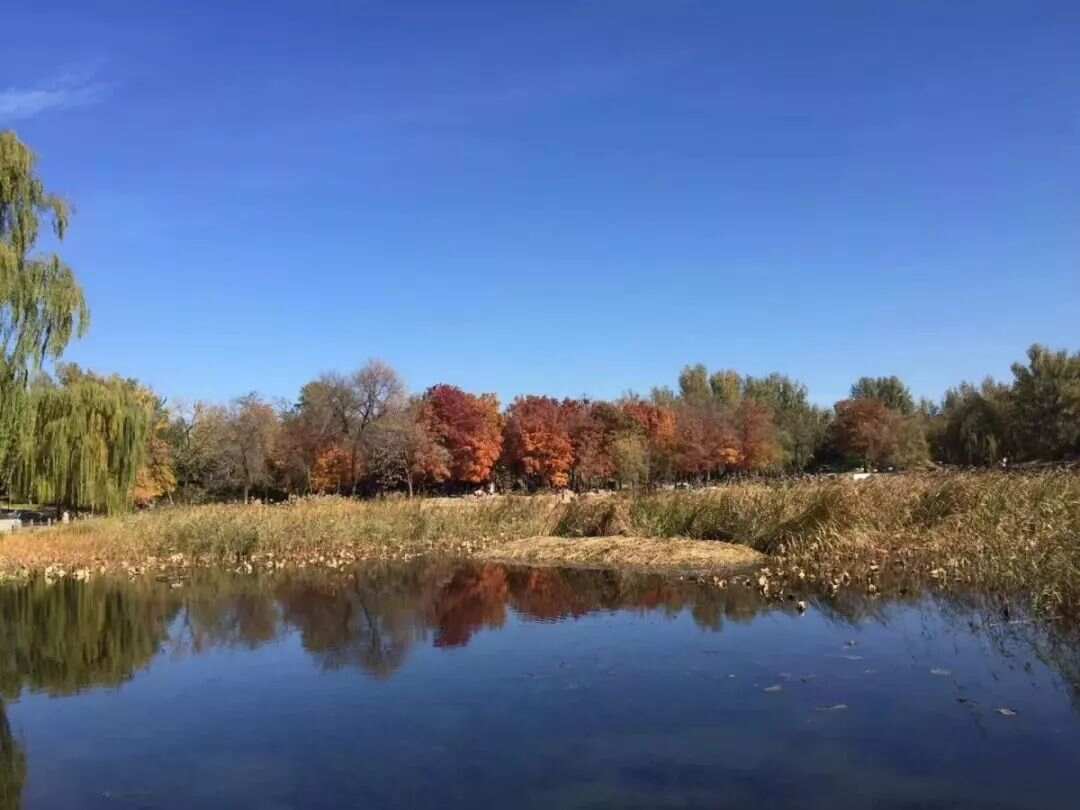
{"x": 12, "y": 765}
{"x": 368, "y": 620}
{"x": 475, "y": 597}
{"x": 69, "y": 636}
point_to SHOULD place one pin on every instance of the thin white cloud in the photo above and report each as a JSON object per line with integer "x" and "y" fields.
{"x": 62, "y": 94}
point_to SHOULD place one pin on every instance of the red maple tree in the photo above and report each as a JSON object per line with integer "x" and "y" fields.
{"x": 468, "y": 426}
{"x": 537, "y": 441}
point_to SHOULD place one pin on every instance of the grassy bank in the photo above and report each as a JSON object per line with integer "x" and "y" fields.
{"x": 1009, "y": 533}
{"x": 311, "y": 531}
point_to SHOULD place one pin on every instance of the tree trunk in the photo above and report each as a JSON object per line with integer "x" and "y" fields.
{"x": 352, "y": 470}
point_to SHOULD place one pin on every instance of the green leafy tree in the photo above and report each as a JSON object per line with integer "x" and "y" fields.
{"x": 41, "y": 304}
{"x": 663, "y": 396}
{"x": 801, "y": 427}
{"x": 86, "y": 439}
{"x": 1046, "y": 395}
{"x": 891, "y": 391}
{"x": 912, "y": 448}
{"x": 630, "y": 457}
{"x": 694, "y": 384}
{"x": 726, "y": 387}
{"x": 974, "y": 425}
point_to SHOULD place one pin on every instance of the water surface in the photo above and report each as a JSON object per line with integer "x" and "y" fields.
{"x": 446, "y": 686}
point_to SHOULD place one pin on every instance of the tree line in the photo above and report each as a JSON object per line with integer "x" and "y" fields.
{"x": 362, "y": 433}
{"x": 78, "y": 439}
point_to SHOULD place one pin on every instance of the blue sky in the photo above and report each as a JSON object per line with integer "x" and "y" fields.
{"x": 558, "y": 197}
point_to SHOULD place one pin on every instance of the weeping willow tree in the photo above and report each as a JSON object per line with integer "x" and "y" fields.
{"x": 41, "y": 304}
{"x": 83, "y": 441}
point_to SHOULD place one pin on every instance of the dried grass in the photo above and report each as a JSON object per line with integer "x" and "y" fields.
{"x": 1007, "y": 533}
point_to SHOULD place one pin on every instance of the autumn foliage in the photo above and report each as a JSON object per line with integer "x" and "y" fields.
{"x": 755, "y": 435}
{"x": 705, "y": 443}
{"x": 656, "y": 423}
{"x": 592, "y": 428}
{"x": 332, "y": 471}
{"x": 537, "y": 441}
{"x": 866, "y": 429}
{"x": 155, "y": 478}
{"x": 468, "y": 426}
{"x": 363, "y": 434}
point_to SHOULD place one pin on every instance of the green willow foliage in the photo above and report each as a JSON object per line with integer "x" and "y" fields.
{"x": 68, "y": 636}
{"x": 41, "y": 304}
{"x": 83, "y": 442}
{"x": 975, "y": 424}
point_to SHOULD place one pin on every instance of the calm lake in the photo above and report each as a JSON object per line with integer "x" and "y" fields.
{"x": 445, "y": 686}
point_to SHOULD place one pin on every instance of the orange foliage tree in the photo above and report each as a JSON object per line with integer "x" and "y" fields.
{"x": 332, "y": 471}
{"x": 756, "y": 431}
{"x": 155, "y": 478}
{"x": 430, "y": 461}
{"x": 536, "y": 442}
{"x": 705, "y": 441}
{"x": 657, "y": 424}
{"x": 468, "y": 426}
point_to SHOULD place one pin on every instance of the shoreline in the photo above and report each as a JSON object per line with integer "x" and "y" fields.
{"x": 1008, "y": 534}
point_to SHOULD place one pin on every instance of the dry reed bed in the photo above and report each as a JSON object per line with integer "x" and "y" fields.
{"x": 1017, "y": 534}
{"x": 324, "y": 531}
{"x": 669, "y": 554}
